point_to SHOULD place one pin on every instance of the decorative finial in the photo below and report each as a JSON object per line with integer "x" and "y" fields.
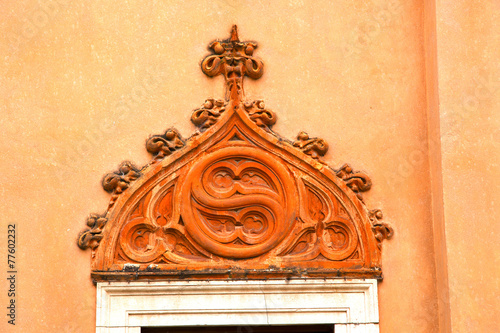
{"x": 234, "y": 34}
{"x": 234, "y": 60}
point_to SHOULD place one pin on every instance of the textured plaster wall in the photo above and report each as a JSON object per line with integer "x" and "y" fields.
{"x": 84, "y": 84}
{"x": 469, "y": 78}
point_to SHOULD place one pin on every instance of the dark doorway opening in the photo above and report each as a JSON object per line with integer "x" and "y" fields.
{"x": 243, "y": 329}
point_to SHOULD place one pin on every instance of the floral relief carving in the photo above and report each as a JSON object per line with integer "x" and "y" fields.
{"x": 356, "y": 180}
{"x": 163, "y": 145}
{"x": 380, "y": 229}
{"x": 314, "y": 147}
{"x": 90, "y": 237}
{"x": 118, "y": 181}
{"x": 234, "y": 60}
{"x": 235, "y": 199}
{"x": 209, "y": 113}
{"x": 259, "y": 114}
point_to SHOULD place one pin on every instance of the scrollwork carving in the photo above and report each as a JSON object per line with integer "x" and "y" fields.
{"x": 380, "y": 229}
{"x": 90, "y": 237}
{"x": 259, "y": 114}
{"x": 323, "y": 235}
{"x": 356, "y": 180}
{"x": 238, "y": 202}
{"x": 316, "y": 205}
{"x": 180, "y": 250}
{"x": 163, "y": 209}
{"x": 144, "y": 242}
{"x": 118, "y": 181}
{"x": 237, "y": 198}
{"x": 335, "y": 240}
{"x": 209, "y": 113}
{"x": 233, "y": 59}
{"x": 314, "y": 147}
{"x": 164, "y": 145}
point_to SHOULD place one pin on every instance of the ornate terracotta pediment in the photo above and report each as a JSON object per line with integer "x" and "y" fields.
{"x": 235, "y": 200}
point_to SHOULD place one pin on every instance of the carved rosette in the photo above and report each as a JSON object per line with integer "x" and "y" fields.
{"x": 235, "y": 200}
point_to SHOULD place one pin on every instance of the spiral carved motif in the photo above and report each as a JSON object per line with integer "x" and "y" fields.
{"x": 239, "y": 202}
{"x": 145, "y": 241}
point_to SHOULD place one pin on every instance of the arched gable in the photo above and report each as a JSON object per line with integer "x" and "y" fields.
{"x": 235, "y": 199}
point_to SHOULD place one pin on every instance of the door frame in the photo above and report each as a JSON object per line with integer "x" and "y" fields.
{"x": 351, "y": 304}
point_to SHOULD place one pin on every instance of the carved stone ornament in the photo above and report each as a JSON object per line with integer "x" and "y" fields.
{"x": 235, "y": 200}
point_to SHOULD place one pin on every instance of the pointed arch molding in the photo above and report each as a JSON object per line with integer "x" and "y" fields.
{"x": 235, "y": 200}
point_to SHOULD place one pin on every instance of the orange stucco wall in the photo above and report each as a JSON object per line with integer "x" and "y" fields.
{"x": 469, "y": 77}
{"x": 406, "y": 91}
